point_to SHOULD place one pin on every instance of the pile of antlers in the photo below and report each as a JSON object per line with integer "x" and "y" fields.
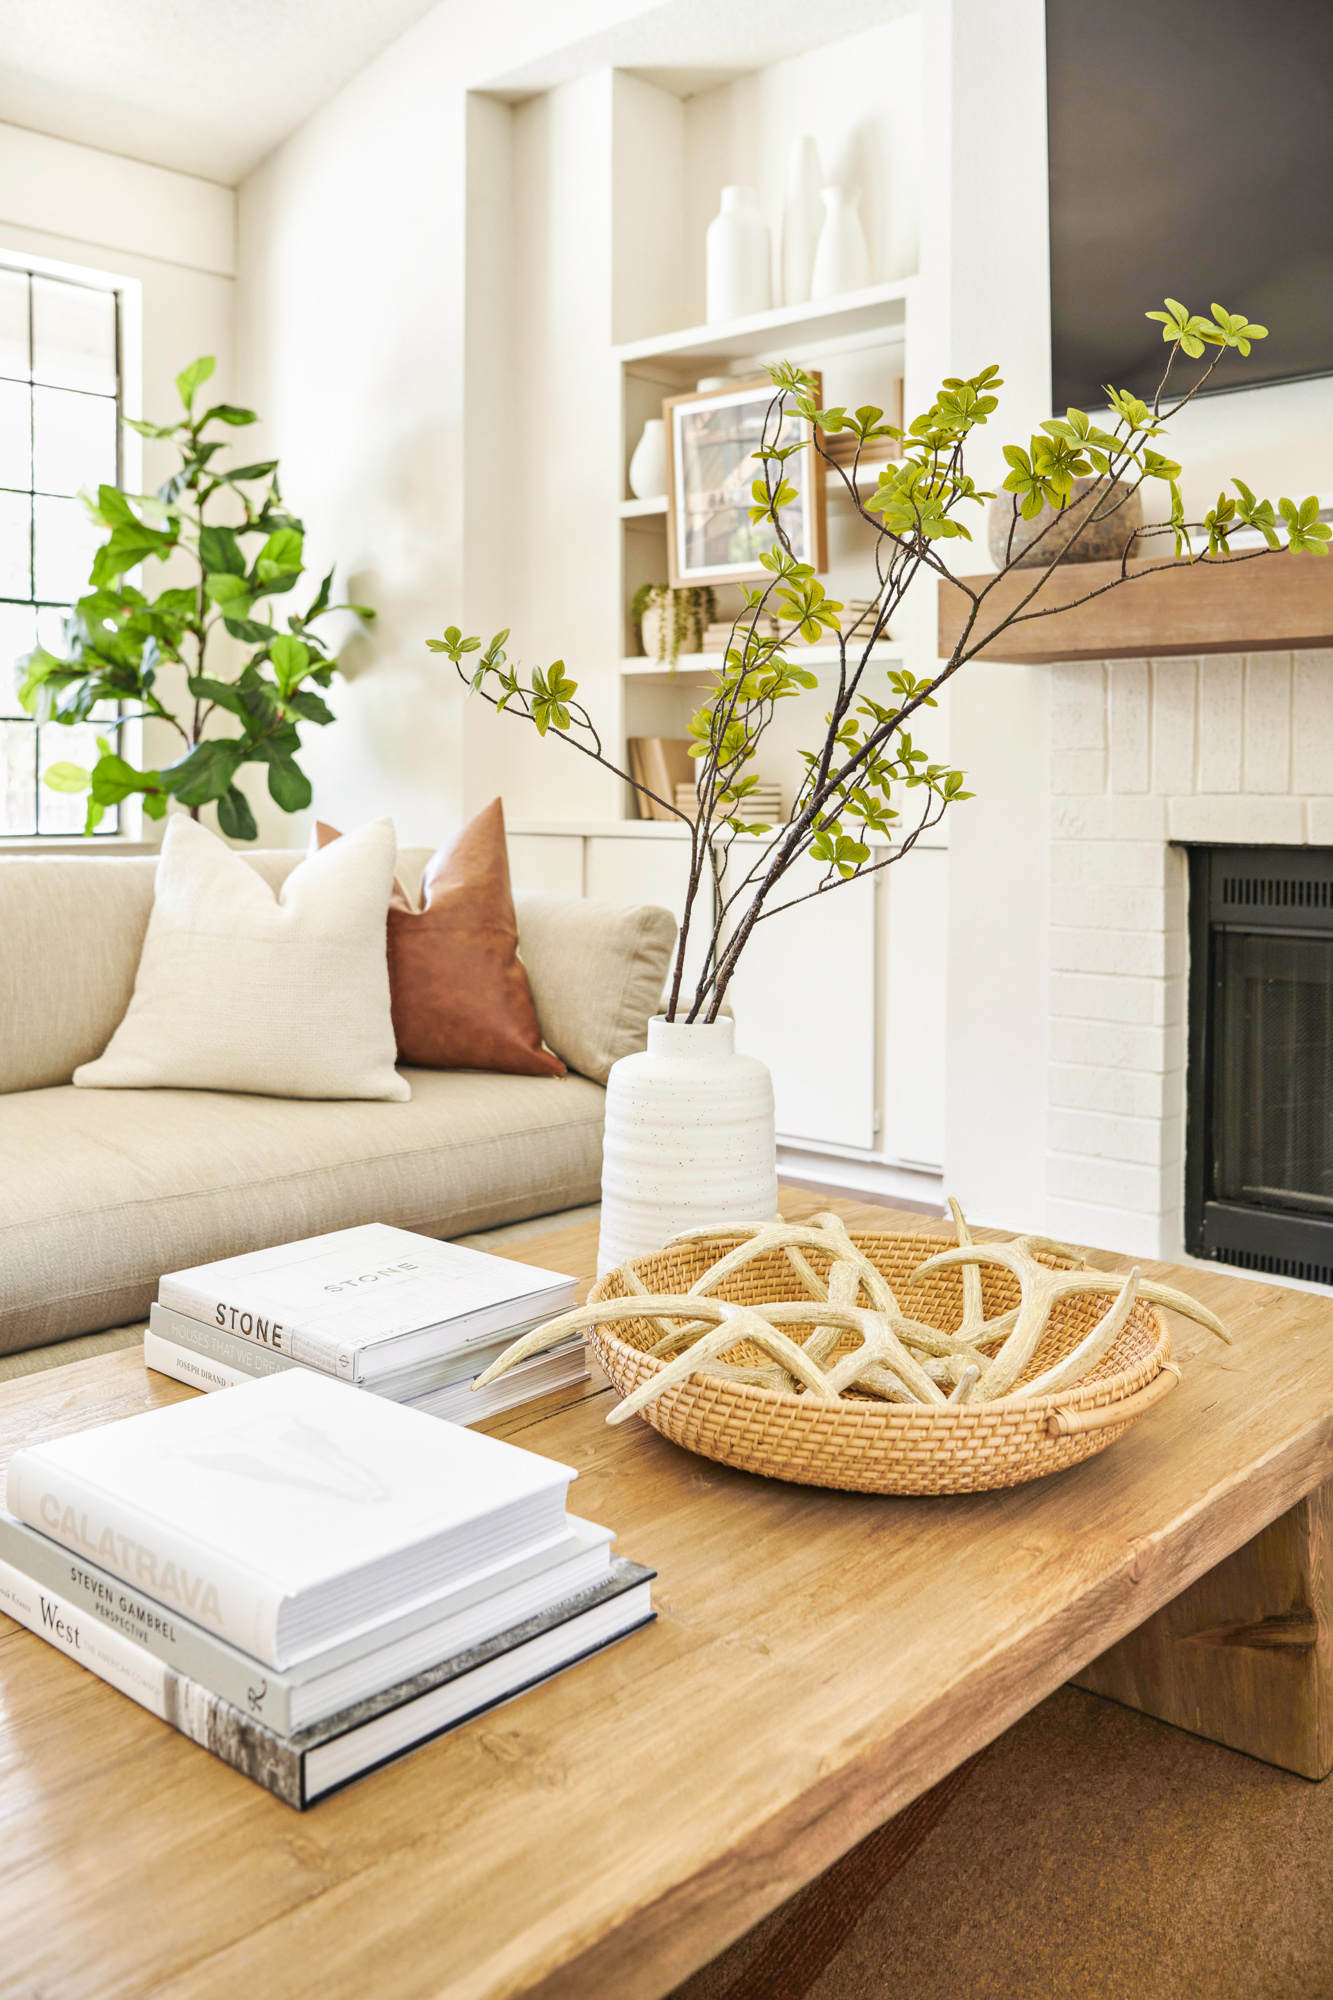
{"x": 899, "y": 1359}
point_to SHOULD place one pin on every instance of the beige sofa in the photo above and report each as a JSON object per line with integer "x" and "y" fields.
{"x": 103, "y": 1190}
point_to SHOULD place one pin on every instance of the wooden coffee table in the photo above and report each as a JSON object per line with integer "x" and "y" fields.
{"x": 819, "y": 1660}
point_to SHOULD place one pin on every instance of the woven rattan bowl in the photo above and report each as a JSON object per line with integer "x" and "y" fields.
{"x": 863, "y": 1444}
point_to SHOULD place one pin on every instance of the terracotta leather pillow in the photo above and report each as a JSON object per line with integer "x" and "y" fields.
{"x": 457, "y": 988}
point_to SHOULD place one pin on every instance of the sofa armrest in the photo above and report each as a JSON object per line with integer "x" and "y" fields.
{"x": 597, "y": 971}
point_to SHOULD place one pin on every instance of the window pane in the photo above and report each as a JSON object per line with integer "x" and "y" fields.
{"x": 14, "y": 323}
{"x": 18, "y": 631}
{"x": 15, "y": 434}
{"x": 51, "y": 628}
{"x": 73, "y": 336}
{"x": 64, "y": 812}
{"x": 64, "y": 540}
{"x": 74, "y": 441}
{"x": 18, "y": 777}
{"x": 15, "y": 548}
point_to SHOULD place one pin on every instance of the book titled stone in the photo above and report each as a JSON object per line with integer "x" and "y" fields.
{"x": 189, "y": 1350}
{"x": 304, "y": 1767}
{"x": 333, "y": 1680}
{"x": 368, "y": 1301}
{"x": 288, "y": 1516}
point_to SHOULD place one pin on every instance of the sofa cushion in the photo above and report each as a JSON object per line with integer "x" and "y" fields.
{"x": 72, "y": 931}
{"x": 103, "y": 1191}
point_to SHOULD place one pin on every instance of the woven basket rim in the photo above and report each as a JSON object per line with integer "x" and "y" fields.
{"x": 1098, "y": 1394}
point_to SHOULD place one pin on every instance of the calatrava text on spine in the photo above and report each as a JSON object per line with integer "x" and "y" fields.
{"x": 253, "y": 1326}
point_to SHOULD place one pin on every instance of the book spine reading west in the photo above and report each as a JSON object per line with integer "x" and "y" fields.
{"x": 302, "y": 1768}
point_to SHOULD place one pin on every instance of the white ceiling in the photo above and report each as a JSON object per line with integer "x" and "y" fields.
{"x": 205, "y": 86}
{"x": 210, "y": 87}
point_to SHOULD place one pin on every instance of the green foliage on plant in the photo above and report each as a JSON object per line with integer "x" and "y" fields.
{"x": 247, "y": 549}
{"x": 686, "y": 615}
{"x": 865, "y": 776}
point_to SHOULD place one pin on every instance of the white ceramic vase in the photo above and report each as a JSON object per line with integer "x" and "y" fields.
{"x": 842, "y": 261}
{"x": 738, "y": 275}
{"x": 689, "y": 1140}
{"x": 647, "y": 468}
{"x": 802, "y": 220}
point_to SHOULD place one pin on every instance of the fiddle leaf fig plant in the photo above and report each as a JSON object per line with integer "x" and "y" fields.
{"x": 869, "y": 790}
{"x": 245, "y": 550}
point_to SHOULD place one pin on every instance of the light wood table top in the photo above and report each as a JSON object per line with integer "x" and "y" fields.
{"x": 819, "y": 1660}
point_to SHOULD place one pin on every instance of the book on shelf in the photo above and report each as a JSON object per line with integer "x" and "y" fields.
{"x": 660, "y": 763}
{"x": 290, "y": 1516}
{"x": 366, "y": 1302}
{"x": 317, "y": 1759}
{"x": 764, "y": 804}
{"x": 287, "y": 1701}
{"x": 204, "y": 1357}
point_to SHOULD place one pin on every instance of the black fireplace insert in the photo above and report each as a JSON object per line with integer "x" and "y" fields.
{"x": 1259, "y": 1132}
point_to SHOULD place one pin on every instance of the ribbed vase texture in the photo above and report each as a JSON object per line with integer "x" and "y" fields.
{"x": 689, "y": 1140}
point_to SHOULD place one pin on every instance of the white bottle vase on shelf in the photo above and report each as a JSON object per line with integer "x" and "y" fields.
{"x": 802, "y": 220}
{"x": 647, "y": 468}
{"x": 689, "y": 1140}
{"x": 738, "y": 276}
{"x": 842, "y": 261}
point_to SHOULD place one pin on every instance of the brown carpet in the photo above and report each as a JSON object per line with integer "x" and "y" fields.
{"x": 1089, "y": 1854}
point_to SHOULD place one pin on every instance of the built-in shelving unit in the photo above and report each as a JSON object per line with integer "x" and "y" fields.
{"x": 817, "y": 322}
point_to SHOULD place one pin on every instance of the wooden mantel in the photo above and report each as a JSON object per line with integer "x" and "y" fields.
{"x": 1268, "y": 604}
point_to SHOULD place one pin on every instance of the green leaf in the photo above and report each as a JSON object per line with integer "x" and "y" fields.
{"x": 190, "y": 378}
{"x": 250, "y": 630}
{"x": 290, "y": 659}
{"x": 259, "y": 471}
{"x": 225, "y": 586}
{"x": 235, "y": 817}
{"x": 222, "y": 693}
{"x": 288, "y": 785}
{"x": 227, "y": 413}
{"x": 206, "y": 773}
{"x": 220, "y": 552}
{"x": 67, "y": 778}
{"x": 304, "y": 702}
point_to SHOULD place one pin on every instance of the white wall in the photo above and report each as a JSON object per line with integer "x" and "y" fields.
{"x": 171, "y": 234}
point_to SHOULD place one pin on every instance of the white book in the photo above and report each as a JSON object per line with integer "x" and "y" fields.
{"x": 456, "y": 1402}
{"x": 288, "y": 1516}
{"x": 359, "y": 1302}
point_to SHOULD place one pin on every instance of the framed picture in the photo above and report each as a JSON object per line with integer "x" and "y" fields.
{"x": 711, "y": 438}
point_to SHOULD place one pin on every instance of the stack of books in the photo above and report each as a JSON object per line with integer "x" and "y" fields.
{"x": 402, "y": 1315}
{"x": 718, "y": 637}
{"x": 661, "y": 764}
{"x": 308, "y": 1583}
{"x": 762, "y": 806}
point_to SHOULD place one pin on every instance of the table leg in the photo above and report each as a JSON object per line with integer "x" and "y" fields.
{"x": 1245, "y": 1655}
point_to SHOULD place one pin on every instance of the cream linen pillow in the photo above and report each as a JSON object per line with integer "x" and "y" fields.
{"x": 238, "y": 988}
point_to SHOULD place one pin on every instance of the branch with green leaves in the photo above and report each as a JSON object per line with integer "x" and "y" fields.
{"x": 248, "y": 550}
{"x": 869, "y": 790}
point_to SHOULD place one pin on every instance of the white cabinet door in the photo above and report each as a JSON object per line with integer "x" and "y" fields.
{"x": 549, "y": 861}
{"x": 804, "y": 999}
{"x": 918, "y": 923}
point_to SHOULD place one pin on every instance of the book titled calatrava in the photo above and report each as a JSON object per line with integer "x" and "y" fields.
{"x": 288, "y": 1516}
{"x": 366, "y": 1301}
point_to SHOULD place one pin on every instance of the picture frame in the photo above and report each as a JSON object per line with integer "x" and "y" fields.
{"x": 711, "y": 435}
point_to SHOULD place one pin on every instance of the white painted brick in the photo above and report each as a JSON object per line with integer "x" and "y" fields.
{"x": 1129, "y": 726}
{"x": 1143, "y": 1142}
{"x": 1115, "y": 1045}
{"x": 1267, "y": 723}
{"x": 1138, "y": 818}
{"x": 1142, "y": 954}
{"x": 1221, "y": 687}
{"x": 1082, "y": 819}
{"x": 1319, "y": 822}
{"x": 1078, "y": 726}
{"x": 1119, "y": 908}
{"x": 1106, "y": 1228}
{"x": 1110, "y": 1183}
{"x": 1173, "y": 684}
{"x": 1080, "y": 996}
{"x": 1078, "y": 682}
{"x": 1075, "y": 772}
{"x": 1135, "y": 863}
{"x": 1247, "y": 818}
{"x": 1312, "y": 722}
{"x": 1127, "y": 1093}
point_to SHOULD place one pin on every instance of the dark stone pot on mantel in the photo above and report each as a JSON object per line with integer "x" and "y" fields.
{"x": 1118, "y": 513}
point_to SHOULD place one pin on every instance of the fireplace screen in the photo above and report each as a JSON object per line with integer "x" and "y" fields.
{"x": 1260, "y": 1137}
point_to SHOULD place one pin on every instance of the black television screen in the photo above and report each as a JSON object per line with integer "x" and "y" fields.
{"x": 1191, "y": 155}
